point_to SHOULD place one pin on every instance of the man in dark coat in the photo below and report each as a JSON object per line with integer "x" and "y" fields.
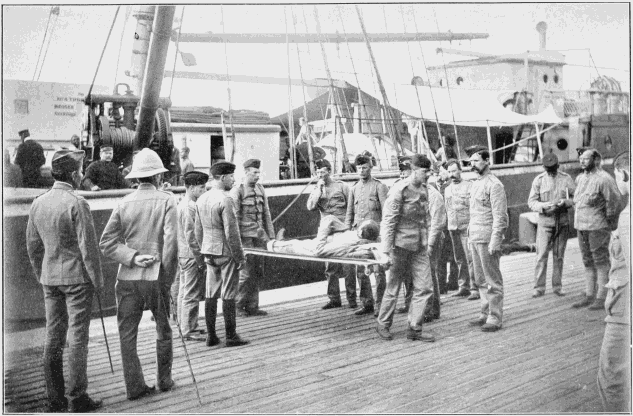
{"x": 104, "y": 174}
{"x": 30, "y": 158}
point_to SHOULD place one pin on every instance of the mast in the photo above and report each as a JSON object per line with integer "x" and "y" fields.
{"x": 144, "y": 17}
{"x": 153, "y": 77}
{"x": 394, "y": 133}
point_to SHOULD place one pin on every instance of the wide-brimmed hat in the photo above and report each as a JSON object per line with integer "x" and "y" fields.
{"x": 146, "y": 163}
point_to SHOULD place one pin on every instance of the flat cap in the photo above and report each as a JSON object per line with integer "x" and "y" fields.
{"x": 252, "y": 163}
{"x": 323, "y": 163}
{"x": 362, "y": 160}
{"x": 24, "y": 133}
{"x": 106, "y": 147}
{"x": 550, "y": 160}
{"x": 222, "y": 168}
{"x": 471, "y": 150}
{"x": 66, "y": 160}
{"x": 195, "y": 178}
{"x": 420, "y": 161}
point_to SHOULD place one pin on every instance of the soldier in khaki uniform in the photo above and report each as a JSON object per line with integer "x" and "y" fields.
{"x": 63, "y": 249}
{"x": 366, "y": 199}
{"x": 141, "y": 235}
{"x": 219, "y": 238}
{"x": 550, "y": 197}
{"x": 192, "y": 265}
{"x": 488, "y": 222}
{"x": 256, "y": 228}
{"x": 456, "y": 199}
{"x": 403, "y": 234}
{"x": 595, "y": 201}
{"x": 330, "y": 197}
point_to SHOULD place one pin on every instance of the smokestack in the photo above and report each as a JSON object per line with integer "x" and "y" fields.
{"x": 541, "y": 28}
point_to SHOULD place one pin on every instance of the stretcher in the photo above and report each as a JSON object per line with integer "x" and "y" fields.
{"x": 342, "y": 260}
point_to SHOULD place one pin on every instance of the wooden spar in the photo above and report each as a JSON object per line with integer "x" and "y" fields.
{"x": 153, "y": 80}
{"x": 538, "y": 141}
{"x": 325, "y": 37}
{"x": 395, "y": 134}
{"x": 492, "y": 159}
{"x": 253, "y": 79}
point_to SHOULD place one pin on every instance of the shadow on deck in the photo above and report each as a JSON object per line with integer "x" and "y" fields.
{"x": 305, "y": 360}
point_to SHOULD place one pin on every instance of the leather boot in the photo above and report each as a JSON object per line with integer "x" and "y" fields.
{"x": 210, "y": 314}
{"x": 232, "y": 338}
{"x": 596, "y": 305}
{"x": 586, "y": 301}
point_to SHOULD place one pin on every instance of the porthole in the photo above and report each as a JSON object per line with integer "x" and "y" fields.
{"x": 556, "y": 79}
{"x": 545, "y": 78}
{"x": 459, "y": 80}
{"x": 441, "y": 83}
{"x": 561, "y": 144}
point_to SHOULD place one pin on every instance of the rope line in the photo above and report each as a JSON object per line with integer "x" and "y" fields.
{"x": 173, "y": 70}
{"x": 448, "y": 90}
{"x": 228, "y": 88}
{"x": 437, "y": 122}
{"x": 104, "y": 49}
{"x": 43, "y": 40}
{"x": 128, "y": 11}
{"x": 48, "y": 44}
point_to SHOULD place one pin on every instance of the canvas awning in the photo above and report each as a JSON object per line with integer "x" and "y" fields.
{"x": 476, "y": 108}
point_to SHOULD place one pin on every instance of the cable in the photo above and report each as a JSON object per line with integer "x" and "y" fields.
{"x": 228, "y": 89}
{"x": 42, "y": 45}
{"x": 173, "y": 70}
{"x": 450, "y": 100}
{"x": 128, "y": 11}
{"x": 55, "y": 11}
{"x": 104, "y": 49}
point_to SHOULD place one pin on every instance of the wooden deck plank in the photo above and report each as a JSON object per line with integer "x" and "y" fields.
{"x": 305, "y": 360}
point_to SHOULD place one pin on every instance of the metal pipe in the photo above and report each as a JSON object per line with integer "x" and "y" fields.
{"x": 153, "y": 78}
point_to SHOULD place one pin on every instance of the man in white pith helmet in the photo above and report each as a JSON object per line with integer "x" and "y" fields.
{"x": 141, "y": 236}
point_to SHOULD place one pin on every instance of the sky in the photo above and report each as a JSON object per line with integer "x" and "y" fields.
{"x": 587, "y": 34}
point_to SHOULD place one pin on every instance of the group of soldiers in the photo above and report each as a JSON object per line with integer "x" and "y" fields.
{"x": 202, "y": 238}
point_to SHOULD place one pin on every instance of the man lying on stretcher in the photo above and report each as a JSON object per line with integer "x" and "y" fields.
{"x": 334, "y": 240}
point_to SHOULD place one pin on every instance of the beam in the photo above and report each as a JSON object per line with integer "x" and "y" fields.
{"x": 255, "y": 79}
{"x": 325, "y": 37}
{"x": 464, "y": 53}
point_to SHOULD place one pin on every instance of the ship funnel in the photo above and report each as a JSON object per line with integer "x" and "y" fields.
{"x": 541, "y": 28}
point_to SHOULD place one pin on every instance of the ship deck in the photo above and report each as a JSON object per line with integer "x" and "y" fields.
{"x": 302, "y": 359}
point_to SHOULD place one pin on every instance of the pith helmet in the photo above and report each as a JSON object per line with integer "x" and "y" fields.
{"x": 146, "y": 163}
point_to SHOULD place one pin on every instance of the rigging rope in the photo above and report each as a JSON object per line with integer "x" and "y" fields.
{"x": 291, "y": 132}
{"x": 43, "y": 40}
{"x": 173, "y": 70}
{"x": 417, "y": 92}
{"x": 323, "y": 113}
{"x": 437, "y": 121}
{"x": 103, "y": 51}
{"x": 228, "y": 88}
{"x": 344, "y": 157}
{"x": 448, "y": 89}
{"x": 128, "y": 11}
{"x": 360, "y": 100}
{"x": 305, "y": 107}
{"x": 55, "y": 11}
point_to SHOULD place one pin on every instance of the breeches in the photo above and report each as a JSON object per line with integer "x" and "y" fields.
{"x": 222, "y": 277}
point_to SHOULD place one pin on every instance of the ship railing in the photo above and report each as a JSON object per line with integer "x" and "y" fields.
{"x": 593, "y": 102}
